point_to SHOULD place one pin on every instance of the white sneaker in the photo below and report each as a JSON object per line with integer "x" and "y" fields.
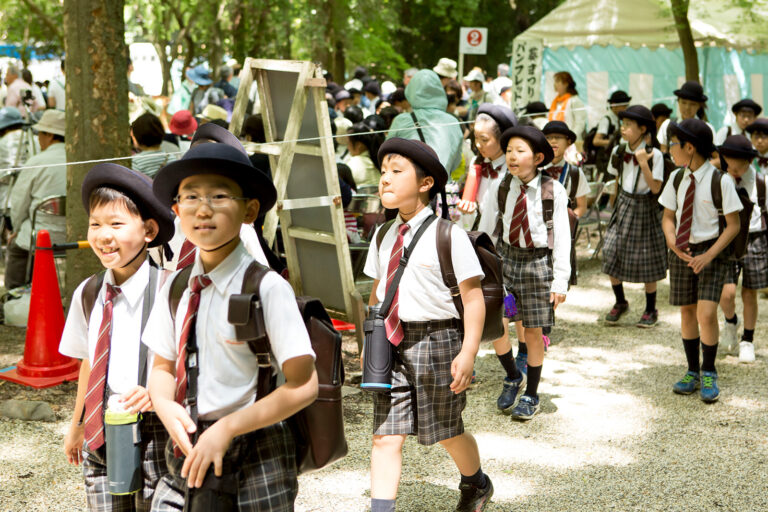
{"x": 729, "y": 336}
{"x": 746, "y": 352}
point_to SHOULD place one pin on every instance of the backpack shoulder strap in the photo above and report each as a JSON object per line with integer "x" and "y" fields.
{"x": 383, "y": 231}
{"x": 444, "y": 228}
{"x": 678, "y": 179}
{"x": 548, "y": 207}
{"x": 575, "y": 176}
{"x": 418, "y": 126}
{"x": 260, "y": 347}
{"x": 91, "y": 290}
{"x": 717, "y": 197}
{"x": 501, "y": 199}
{"x": 760, "y": 182}
{"x": 178, "y": 285}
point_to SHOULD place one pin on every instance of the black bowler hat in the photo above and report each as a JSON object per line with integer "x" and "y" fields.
{"x": 747, "y": 103}
{"x": 215, "y": 150}
{"x": 641, "y": 115}
{"x": 535, "y": 138}
{"x": 372, "y": 87}
{"x": 691, "y": 91}
{"x": 135, "y": 185}
{"x": 759, "y": 126}
{"x": 697, "y": 132}
{"x": 503, "y": 116}
{"x": 661, "y": 109}
{"x": 560, "y": 128}
{"x": 737, "y": 146}
{"x": 536, "y": 107}
{"x": 619, "y": 97}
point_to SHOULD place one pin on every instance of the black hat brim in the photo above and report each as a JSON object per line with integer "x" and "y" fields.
{"x": 737, "y": 152}
{"x": 681, "y": 133}
{"x": 567, "y": 132}
{"x": 535, "y": 138}
{"x": 503, "y": 116}
{"x": 639, "y": 119}
{"x": 687, "y": 95}
{"x": 747, "y": 104}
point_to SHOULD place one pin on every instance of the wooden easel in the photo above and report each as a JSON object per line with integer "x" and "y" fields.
{"x": 302, "y": 157}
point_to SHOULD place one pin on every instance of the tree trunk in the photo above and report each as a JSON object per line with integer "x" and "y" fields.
{"x": 165, "y": 66}
{"x": 97, "y": 108}
{"x": 680, "y": 13}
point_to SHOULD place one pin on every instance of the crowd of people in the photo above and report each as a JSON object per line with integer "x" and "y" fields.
{"x": 688, "y": 202}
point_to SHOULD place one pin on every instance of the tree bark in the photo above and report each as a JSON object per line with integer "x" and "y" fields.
{"x": 680, "y": 14}
{"x": 97, "y": 108}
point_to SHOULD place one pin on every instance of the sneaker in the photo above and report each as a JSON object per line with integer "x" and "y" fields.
{"x": 521, "y": 360}
{"x": 746, "y": 352}
{"x": 474, "y": 377}
{"x": 546, "y": 341}
{"x": 618, "y": 309}
{"x": 473, "y": 498}
{"x": 649, "y": 319}
{"x": 510, "y": 395}
{"x": 526, "y": 408}
{"x": 688, "y": 384}
{"x": 729, "y": 336}
{"x": 709, "y": 391}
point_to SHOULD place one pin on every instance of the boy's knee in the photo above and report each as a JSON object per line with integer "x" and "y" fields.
{"x": 388, "y": 443}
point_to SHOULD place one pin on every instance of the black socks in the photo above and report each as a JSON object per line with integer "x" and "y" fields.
{"x": 692, "y": 353}
{"x": 522, "y": 348}
{"x": 382, "y": 505}
{"x": 534, "y": 376}
{"x": 708, "y": 355}
{"x": 508, "y": 362}
{"x": 618, "y": 291}
{"x": 650, "y": 302}
{"x": 748, "y": 335}
{"x": 733, "y": 320}
{"x": 478, "y": 480}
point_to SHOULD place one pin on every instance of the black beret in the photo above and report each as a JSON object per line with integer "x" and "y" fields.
{"x": 619, "y": 97}
{"x": 760, "y": 126}
{"x": 737, "y": 146}
{"x": 503, "y": 115}
{"x": 747, "y": 103}
{"x": 695, "y": 131}
{"x": 135, "y": 185}
{"x": 535, "y": 138}
{"x": 641, "y": 115}
{"x": 691, "y": 91}
{"x": 559, "y": 127}
{"x": 421, "y": 154}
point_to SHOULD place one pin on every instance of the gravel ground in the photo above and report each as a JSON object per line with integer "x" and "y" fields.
{"x": 611, "y": 435}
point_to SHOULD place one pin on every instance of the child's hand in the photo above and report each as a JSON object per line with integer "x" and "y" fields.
{"x": 73, "y": 444}
{"x": 137, "y": 400}
{"x": 466, "y": 206}
{"x": 461, "y": 371}
{"x": 642, "y": 155}
{"x": 683, "y": 255}
{"x": 697, "y": 263}
{"x": 556, "y": 299}
{"x": 210, "y": 448}
{"x": 177, "y": 422}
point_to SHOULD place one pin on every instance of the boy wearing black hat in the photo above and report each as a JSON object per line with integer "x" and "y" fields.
{"x": 435, "y": 350}
{"x": 535, "y": 250}
{"x": 104, "y": 325}
{"x": 736, "y": 154}
{"x": 691, "y": 102}
{"x": 571, "y": 176}
{"x": 758, "y": 134}
{"x": 697, "y": 259}
{"x": 744, "y": 112}
{"x": 216, "y": 422}
{"x": 634, "y": 249}
{"x": 661, "y": 113}
{"x": 606, "y": 128}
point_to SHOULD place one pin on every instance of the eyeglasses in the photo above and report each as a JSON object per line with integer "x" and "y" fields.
{"x": 190, "y": 201}
{"x": 672, "y": 144}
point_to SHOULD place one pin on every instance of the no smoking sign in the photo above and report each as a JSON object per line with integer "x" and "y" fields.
{"x": 473, "y": 40}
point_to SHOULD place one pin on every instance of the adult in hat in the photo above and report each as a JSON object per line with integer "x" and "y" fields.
{"x": 31, "y": 187}
{"x": 446, "y": 69}
{"x": 213, "y": 113}
{"x": 205, "y": 93}
{"x": 535, "y": 138}
{"x": 477, "y": 94}
{"x": 691, "y": 102}
{"x": 744, "y": 113}
{"x": 608, "y": 127}
{"x": 11, "y": 123}
{"x": 661, "y": 113}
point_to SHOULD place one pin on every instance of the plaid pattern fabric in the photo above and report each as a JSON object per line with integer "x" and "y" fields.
{"x": 686, "y": 288}
{"x": 421, "y": 401}
{"x": 153, "y": 439}
{"x": 528, "y": 276}
{"x": 635, "y": 250}
{"x": 265, "y": 462}
{"x": 754, "y": 264}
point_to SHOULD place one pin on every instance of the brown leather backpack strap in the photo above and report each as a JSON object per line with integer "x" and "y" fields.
{"x": 444, "y": 228}
{"x": 261, "y": 348}
{"x": 575, "y": 178}
{"x": 178, "y": 285}
{"x": 383, "y": 231}
{"x": 717, "y": 198}
{"x": 761, "y": 192}
{"x": 548, "y": 207}
{"x": 89, "y": 293}
{"x": 501, "y": 199}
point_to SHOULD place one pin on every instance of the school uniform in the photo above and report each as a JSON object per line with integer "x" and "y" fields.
{"x": 754, "y": 263}
{"x": 726, "y": 131}
{"x": 227, "y": 380}
{"x": 664, "y": 135}
{"x": 761, "y": 163}
{"x": 497, "y": 170}
{"x": 79, "y": 340}
{"x": 421, "y": 402}
{"x": 608, "y": 124}
{"x": 635, "y": 249}
{"x": 562, "y": 173}
{"x": 686, "y": 287}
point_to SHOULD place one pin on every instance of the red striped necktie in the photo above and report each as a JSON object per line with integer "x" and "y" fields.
{"x": 97, "y": 381}
{"x": 187, "y": 328}
{"x": 392, "y": 323}
{"x": 520, "y": 221}
{"x": 187, "y": 255}
{"x": 686, "y": 217}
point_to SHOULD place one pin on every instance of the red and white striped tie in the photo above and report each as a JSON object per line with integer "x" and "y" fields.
{"x": 97, "y": 381}
{"x": 392, "y": 323}
{"x": 187, "y": 255}
{"x": 520, "y": 221}
{"x": 686, "y": 217}
{"x": 198, "y": 283}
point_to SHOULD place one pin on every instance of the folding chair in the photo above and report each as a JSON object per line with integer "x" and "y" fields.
{"x": 591, "y": 219}
{"x": 7, "y": 179}
{"x": 369, "y": 212}
{"x": 604, "y": 216}
{"x": 51, "y": 205}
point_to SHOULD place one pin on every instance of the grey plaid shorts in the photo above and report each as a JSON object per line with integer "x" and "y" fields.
{"x": 265, "y": 466}
{"x": 686, "y": 288}
{"x": 421, "y": 401}
{"x": 528, "y": 276}
{"x": 754, "y": 264}
{"x": 153, "y": 439}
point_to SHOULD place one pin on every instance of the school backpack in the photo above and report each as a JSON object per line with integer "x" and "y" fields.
{"x": 318, "y": 429}
{"x": 599, "y": 156}
{"x": 492, "y": 284}
{"x": 738, "y": 246}
{"x": 618, "y": 158}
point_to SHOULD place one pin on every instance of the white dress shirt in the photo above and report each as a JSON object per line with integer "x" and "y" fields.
{"x": 630, "y": 170}
{"x": 722, "y": 133}
{"x": 609, "y": 119}
{"x": 565, "y": 178}
{"x": 749, "y": 183}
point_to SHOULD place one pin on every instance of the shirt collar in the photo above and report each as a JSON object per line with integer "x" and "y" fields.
{"x": 702, "y": 171}
{"x": 534, "y": 183}
{"x": 133, "y": 288}
{"x": 499, "y": 161}
{"x": 222, "y": 275}
{"x": 417, "y": 219}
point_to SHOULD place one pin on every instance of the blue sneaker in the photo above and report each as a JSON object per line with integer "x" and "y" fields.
{"x": 688, "y": 384}
{"x": 709, "y": 391}
{"x": 526, "y": 408}
{"x": 521, "y": 360}
{"x": 510, "y": 395}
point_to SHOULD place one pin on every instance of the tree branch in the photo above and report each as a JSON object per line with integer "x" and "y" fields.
{"x": 46, "y": 19}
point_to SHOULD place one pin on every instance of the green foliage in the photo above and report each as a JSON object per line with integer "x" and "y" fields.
{"x": 32, "y": 24}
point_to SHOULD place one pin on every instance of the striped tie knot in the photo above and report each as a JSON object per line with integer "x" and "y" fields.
{"x": 402, "y": 229}
{"x": 112, "y": 291}
{"x": 199, "y": 283}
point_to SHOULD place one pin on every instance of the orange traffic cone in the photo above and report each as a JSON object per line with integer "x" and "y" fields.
{"x": 42, "y": 365}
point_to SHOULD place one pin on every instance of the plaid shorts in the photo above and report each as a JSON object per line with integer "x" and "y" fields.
{"x": 421, "y": 401}
{"x": 528, "y": 276}
{"x": 635, "y": 250}
{"x": 265, "y": 466}
{"x": 754, "y": 264}
{"x": 686, "y": 288}
{"x": 153, "y": 439}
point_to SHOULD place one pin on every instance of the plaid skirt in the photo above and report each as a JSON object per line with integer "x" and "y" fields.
{"x": 686, "y": 288}
{"x": 528, "y": 276}
{"x": 754, "y": 264}
{"x": 421, "y": 401}
{"x": 264, "y": 467}
{"x": 635, "y": 250}
{"x": 153, "y": 439}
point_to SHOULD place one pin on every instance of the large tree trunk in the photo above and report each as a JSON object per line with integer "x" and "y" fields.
{"x": 97, "y": 108}
{"x": 680, "y": 13}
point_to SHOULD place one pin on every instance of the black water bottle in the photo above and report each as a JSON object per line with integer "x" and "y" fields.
{"x": 378, "y": 354}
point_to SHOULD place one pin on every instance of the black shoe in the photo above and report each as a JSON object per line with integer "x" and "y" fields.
{"x": 473, "y": 498}
{"x": 513, "y": 390}
{"x": 616, "y": 311}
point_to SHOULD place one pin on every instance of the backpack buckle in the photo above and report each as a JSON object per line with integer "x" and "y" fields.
{"x": 263, "y": 360}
